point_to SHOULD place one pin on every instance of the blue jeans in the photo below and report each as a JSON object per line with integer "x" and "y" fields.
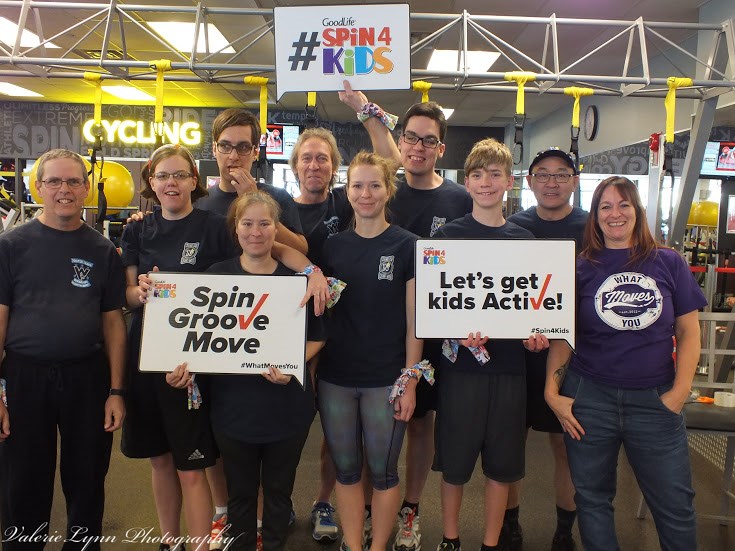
{"x": 655, "y": 443}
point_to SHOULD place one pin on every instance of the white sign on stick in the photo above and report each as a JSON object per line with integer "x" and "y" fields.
{"x": 506, "y": 289}
{"x": 224, "y": 324}
{"x": 318, "y": 47}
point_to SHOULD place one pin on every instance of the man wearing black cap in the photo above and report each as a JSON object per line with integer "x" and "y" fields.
{"x": 552, "y": 177}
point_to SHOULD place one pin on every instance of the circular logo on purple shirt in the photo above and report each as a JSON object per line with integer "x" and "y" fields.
{"x": 628, "y": 301}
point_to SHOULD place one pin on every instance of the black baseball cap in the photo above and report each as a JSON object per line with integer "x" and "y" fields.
{"x": 553, "y": 152}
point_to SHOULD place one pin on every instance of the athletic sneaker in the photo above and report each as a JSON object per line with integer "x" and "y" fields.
{"x": 408, "y": 537}
{"x": 511, "y": 537}
{"x": 446, "y": 546}
{"x": 563, "y": 542}
{"x": 322, "y": 519}
{"x": 219, "y": 527}
{"x": 367, "y": 531}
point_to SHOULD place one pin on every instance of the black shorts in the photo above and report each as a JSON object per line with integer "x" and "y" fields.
{"x": 426, "y": 394}
{"x": 158, "y": 421}
{"x": 539, "y": 415}
{"x": 480, "y": 414}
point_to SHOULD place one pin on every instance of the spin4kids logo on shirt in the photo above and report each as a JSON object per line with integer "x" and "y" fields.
{"x": 317, "y": 49}
{"x": 628, "y": 301}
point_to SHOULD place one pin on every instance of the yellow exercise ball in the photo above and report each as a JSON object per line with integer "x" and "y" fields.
{"x": 90, "y": 201}
{"x": 119, "y": 185}
{"x": 706, "y": 213}
{"x": 692, "y": 209}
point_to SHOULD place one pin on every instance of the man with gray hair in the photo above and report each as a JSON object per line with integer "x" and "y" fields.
{"x": 62, "y": 288}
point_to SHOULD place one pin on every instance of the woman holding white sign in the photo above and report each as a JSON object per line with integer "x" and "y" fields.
{"x": 623, "y": 385}
{"x": 371, "y": 344}
{"x": 167, "y": 425}
{"x": 260, "y": 423}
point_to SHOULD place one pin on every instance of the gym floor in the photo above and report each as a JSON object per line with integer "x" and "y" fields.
{"x": 130, "y": 504}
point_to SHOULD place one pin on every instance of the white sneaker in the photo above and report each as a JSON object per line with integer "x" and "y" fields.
{"x": 408, "y": 537}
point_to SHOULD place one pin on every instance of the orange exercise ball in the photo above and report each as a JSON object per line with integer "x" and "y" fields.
{"x": 90, "y": 201}
{"x": 706, "y": 213}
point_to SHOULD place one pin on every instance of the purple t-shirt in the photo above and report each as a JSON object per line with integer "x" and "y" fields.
{"x": 625, "y": 317}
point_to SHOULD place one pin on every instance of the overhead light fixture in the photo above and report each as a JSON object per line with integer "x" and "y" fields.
{"x": 477, "y": 62}
{"x": 179, "y": 35}
{"x": 16, "y": 91}
{"x": 447, "y": 112}
{"x": 9, "y": 31}
{"x": 128, "y": 93}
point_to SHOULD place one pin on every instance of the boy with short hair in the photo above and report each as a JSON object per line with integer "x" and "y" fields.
{"x": 482, "y": 406}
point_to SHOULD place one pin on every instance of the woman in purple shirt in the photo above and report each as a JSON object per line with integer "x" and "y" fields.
{"x": 623, "y": 385}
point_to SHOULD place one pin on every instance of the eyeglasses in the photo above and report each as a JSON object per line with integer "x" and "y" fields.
{"x": 544, "y": 177}
{"x": 179, "y": 176}
{"x": 428, "y": 141}
{"x": 55, "y": 183}
{"x": 243, "y": 148}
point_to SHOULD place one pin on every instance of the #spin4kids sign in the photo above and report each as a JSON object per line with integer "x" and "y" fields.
{"x": 224, "y": 324}
{"x": 506, "y": 289}
{"x": 318, "y": 47}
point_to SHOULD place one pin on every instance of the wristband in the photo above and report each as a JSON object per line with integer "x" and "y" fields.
{"x": 3, "y": 392}
{"x": 373, "y": 110}
{"x": 194, "y": 396}
{"x": 450, "y": 349}
{"x": 416, "y": 371}
{"x": 117, "y": 392}
{"x": 311, "y": 269}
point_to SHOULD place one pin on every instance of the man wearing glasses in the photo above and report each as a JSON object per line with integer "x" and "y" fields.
{"x": 424, "y": 202}
{"x": 62, "y": 288}
{"x": 553, "y": 177}
{"x": 235, "y": 146}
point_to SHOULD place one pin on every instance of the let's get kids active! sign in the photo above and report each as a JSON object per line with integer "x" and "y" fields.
{"x": 506, "y": 289}
{"x": 224, "y": 324}
{"x": 317, "y": 47}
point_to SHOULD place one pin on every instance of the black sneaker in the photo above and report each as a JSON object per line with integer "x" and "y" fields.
{"x": 563, "y": 542}
{"x": 511, "y": 537}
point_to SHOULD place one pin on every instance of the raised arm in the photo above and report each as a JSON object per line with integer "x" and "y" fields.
{"x": 380, "y": 136}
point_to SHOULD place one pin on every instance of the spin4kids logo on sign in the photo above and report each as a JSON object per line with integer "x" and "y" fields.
{"x": 318, "y": 47}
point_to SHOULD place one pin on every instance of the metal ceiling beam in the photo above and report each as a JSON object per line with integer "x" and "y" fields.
{"x": 459, "y": 79}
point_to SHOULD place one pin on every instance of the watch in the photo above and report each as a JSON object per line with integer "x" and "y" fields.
{"x": 117, "y": 392}
{"x": 591, "y": 122}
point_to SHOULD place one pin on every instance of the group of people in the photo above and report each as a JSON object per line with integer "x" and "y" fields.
{"x": 369, "y": 377}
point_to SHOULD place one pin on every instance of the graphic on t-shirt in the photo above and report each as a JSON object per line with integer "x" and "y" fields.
{"x": 385, "y": 270}
{"x": 189, "y": 254}
{"x": 332, "y": 225}
{"x": 628, "y": 301}
{"x": 436, "y": 224}
{"x": 82, "y": 268}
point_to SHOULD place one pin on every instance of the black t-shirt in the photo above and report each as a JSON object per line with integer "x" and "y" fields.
{"x": 423, "y": 211}
{"x": 324, "y": 220}
{"x": 367, "y": 327}
{"x": 569, "y": 227}
{"x": 249, "y": 408}
{"x": 219, "y": 201}
{"x": 57, "y": 284}
{"x": 191, "y": 244}
{"x": 506, "y": 355}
